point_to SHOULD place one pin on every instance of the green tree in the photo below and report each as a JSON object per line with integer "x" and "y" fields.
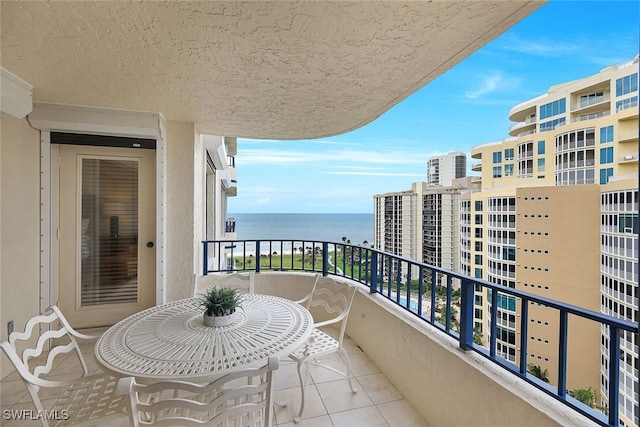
{"x": 584, "y": 395}
{"x": 477, "y": 336}
{"x": 538, "y": 372}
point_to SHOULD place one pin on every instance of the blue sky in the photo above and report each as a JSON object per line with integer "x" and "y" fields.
{"x": 467, "y": 106}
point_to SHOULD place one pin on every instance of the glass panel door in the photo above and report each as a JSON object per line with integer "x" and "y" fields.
{"x": 106, "y": 232}
{"x": 109, "y": 231}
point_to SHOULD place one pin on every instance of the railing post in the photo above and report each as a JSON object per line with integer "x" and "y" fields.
{"x": 614, "y": 375}
{"x": 466, "y": 314}
{"x": 562, "y": 354}
{"x": 449, "y": 302}
{"x": 325, "y": 258}
{"x": 434, "y": 302}
{"x": 205, "y": 255}
{"x": 374, "y": 273}
{"x": 257, "y": 256}
{"x": 524, "y": 335}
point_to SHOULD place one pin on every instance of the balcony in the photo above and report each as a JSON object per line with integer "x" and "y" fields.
{"x": 415, "y": 336}
{"x": 628, "y": 136}
{"x": 628, "y": 158}
{"x": 329, "y": 403}
{"x": 476, "y": 167}
{"x": 523, "y": 128}
{"x": 592, "y": 104}
{"x": 411, "y": 367}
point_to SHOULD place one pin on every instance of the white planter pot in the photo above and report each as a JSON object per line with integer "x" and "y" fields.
{"x": 218, "y": 320}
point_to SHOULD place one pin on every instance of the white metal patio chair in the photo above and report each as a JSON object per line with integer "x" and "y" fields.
{"x": 239, "y": 398}
{"x": 242, "y": 282}
{"x": 82, "y": 398}
{"x": 330, "y": 303}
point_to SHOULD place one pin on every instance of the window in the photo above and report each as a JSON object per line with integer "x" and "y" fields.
{"x": 509, "y": 253}
{"x": 508, "y": 153}
{"x": 553, "y": 108}
{"x": 540, "y": 165}
{"x": 478, "y": 246}
{"x": 591, "y": 99}
{"x": 525, "y": 150}
{"x": 497, "y": 171}
{"x": 506, "y": 302}
{"x": 606, "y": 155}
{"x": 525, "y": 168}
{"x": 478, "y": 232}
{"x": 540, "y": 147}
{"x": 628, "y": 223}
{"x": 627, "y": 103}
{"x": 478, "y": 205}
{"x": 478, "y": 219}
{"x": 497, "y": 157}
{"x": 552, "y": 124}
{"x": 605, "y": 174}
{"x": 627, "y": 84}
{"x": 478, "y": 260}
{"x": 508, "y": 170}
{"x": 478, "y": 273}
{"x": 606, "y": 134}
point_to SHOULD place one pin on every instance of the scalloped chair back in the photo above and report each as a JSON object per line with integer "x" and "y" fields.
{"x": 34, "y": 354}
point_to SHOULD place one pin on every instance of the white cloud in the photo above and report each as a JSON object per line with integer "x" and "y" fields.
{"x": 488, "y": 85}
{"x": 289, "y": 157}
{"x": 263, "y": 201}
{"x": 372, "y": 173}
{"x": 537, "y": 47}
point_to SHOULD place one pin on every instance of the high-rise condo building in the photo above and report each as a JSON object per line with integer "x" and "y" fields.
{"x": 557, "y": 216}
{"x": 421, "y": 223}
{"x": 442, "y": 170}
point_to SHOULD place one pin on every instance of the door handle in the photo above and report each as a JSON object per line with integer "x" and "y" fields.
{"x": 149, "y": 244}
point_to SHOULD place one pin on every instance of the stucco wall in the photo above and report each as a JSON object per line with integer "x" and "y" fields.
{"x": 180, "y": 246}
{"x": 19, "y": 226}
{"x": 447, "y": 386}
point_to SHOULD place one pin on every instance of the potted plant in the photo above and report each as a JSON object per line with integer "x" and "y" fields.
{"x": 219, "y": 305}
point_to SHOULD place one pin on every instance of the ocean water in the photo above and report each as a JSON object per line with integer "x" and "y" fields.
{"x": 319, "y": 227}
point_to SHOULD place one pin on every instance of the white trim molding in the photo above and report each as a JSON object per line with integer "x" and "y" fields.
{"x": 49, "y": 117}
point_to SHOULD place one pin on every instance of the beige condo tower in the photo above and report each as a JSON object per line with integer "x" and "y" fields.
{"x": 557, "y": 216}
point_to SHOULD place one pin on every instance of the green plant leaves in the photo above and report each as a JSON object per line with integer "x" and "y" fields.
{"x": 220, "y": 301}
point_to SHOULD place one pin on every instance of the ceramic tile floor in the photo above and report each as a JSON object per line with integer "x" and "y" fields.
{"x": 330, "y": 402}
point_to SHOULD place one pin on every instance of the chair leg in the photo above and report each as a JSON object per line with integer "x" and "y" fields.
{"x": 349, "y": 373}
{"x": 303, "y": 386}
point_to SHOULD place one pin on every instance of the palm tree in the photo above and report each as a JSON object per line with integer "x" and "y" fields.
{"x": 536, "y": 371}
{"x": 584, "y": 395}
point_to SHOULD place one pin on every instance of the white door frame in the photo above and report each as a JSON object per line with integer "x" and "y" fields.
{"x": 101, "y": 121}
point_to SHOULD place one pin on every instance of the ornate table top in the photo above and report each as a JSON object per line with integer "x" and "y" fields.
{"x": 171, "y": 340}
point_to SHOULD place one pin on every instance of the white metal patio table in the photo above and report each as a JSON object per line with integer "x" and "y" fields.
{"x": 171, "y": 341}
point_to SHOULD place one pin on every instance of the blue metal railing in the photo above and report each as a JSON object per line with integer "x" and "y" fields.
{"x": 414, "y": 285}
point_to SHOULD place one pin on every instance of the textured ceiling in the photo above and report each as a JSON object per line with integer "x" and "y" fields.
{"x": 264, "y": 69}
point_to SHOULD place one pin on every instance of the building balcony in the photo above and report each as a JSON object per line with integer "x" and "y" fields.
{"x": 628, "y": 136}
{"x": 229, "y": 180}
{"x": 417, "y": 341}
{"x": 523, "y": 128}
{"x": 409, "y": 368}
{"x": 628, "y": 111}
{"x": 628, "y": 158}
{"x": 476, "y": 167}
{"x": 594, "y": 104}
{"x": 520, "y": 112}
